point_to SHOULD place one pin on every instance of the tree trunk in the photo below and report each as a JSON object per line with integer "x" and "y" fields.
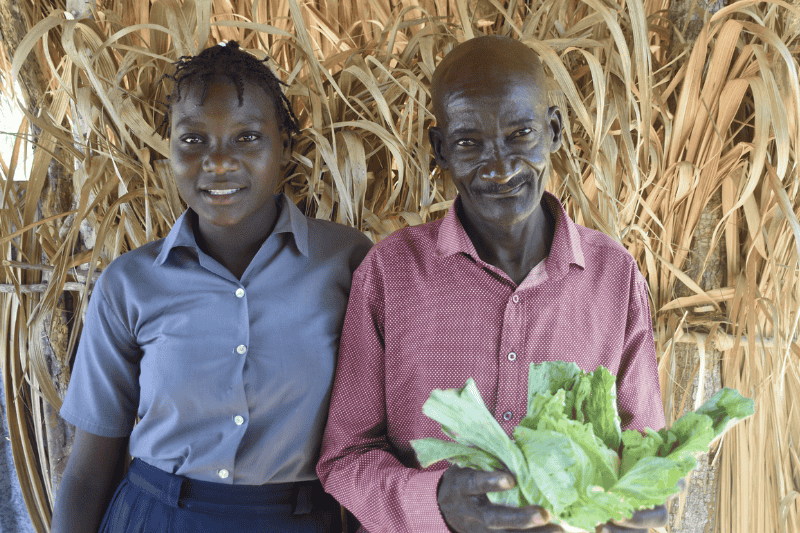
{"x": 697, "y": 368}
{"x": 698, "y": 377}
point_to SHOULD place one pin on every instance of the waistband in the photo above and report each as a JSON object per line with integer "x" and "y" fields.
{"x": 218, "y": 498}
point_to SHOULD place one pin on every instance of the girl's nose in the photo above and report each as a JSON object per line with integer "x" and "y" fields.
{"x": 219, "y": 164}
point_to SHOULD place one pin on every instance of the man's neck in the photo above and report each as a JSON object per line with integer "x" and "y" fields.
{"x": 513, "y": 249}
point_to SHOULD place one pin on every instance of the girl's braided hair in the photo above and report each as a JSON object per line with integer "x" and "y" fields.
{"x": 231, "y": 61}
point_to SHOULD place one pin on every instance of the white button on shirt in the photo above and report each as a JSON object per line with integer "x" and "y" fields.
{"x": 241, "y": 349}
{"x": 239, "y": 420}
{"x": 223, "y": 473}
{"x": 512, "y": 356}
{"x": 239, "y": 292}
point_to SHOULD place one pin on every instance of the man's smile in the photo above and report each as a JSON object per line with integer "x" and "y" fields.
{"x": 510, "y": 188}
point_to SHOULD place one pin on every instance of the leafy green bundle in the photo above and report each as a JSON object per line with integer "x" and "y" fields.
{"x": 569, "y": 454}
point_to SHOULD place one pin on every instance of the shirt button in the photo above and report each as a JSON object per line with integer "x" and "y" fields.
{"x": 241, "y": 349}
{"x": 507, "y": 415}
{"x": 512, "y": 356}
{"x": 239, "y": 420}
{"x": 223, "y": 473}
{"x": 515, "y": 299}
{"x": 239, "y": 292}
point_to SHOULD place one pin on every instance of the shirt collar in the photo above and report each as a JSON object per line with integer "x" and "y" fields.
{"x": 290, "y": 220}
{"x": 565, "y": 250}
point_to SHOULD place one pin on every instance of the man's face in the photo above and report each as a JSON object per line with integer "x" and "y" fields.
{"x": 496, "y": 139}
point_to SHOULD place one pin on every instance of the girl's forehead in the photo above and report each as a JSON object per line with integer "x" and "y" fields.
{"x": 199, "y": 91}
{"x": 221, "y": 100}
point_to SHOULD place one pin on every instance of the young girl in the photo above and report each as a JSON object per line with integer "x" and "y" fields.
{"x": 221, "y": 338}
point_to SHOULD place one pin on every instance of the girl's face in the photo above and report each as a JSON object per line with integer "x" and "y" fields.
{"x": 227, "y": 157}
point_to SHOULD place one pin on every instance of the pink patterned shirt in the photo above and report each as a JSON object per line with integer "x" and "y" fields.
{"x": 426, "y": 312}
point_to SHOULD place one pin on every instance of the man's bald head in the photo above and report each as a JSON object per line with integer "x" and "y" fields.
{"x": 485, "y": 62}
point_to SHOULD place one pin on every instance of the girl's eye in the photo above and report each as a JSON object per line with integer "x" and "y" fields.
{"x": 191, "y": 139}
{"x": 248, "y": 137}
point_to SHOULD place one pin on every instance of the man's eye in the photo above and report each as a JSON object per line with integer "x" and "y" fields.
{"x": 465, "y": 142}
{"x": 521, "y": 133}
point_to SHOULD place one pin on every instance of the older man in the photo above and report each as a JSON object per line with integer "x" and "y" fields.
{"x": 503, "y": 280}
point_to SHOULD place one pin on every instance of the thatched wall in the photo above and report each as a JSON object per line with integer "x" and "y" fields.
{"x": 684, "y": 150}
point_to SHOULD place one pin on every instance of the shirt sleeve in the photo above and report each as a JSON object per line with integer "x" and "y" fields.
{"x": 638, "y": 390}
{"x": 357, "y": 465}
{"x": 103, "y": 393}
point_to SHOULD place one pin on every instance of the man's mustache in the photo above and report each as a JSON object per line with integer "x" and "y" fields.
{"x": 499, "y": 188}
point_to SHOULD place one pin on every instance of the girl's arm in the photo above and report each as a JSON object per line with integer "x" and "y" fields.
{"x": 95, "y": 467}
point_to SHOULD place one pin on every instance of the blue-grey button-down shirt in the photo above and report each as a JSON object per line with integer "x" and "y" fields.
{"x": 230, "y": 378}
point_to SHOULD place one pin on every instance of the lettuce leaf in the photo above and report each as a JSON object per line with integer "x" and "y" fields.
{"x": 601, "y": 408}
{"x": 569, "y": 454}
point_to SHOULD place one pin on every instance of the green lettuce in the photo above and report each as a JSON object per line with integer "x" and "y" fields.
{"x": 569, "y": 454}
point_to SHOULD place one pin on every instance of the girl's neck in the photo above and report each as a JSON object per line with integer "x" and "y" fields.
{"x": 235, "y": 246}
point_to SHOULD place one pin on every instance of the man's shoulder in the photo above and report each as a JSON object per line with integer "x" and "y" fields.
{"x": 411, "y": 239}
{"x": 403, "y": 251}
{"x": 599, "y": 247}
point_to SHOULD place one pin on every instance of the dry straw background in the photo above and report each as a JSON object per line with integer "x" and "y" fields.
{"x": 683, "y": 149}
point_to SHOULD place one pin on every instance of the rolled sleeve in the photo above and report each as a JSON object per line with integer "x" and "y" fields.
{"x": 357, "y": 464}
{"x": 103, "y": 395}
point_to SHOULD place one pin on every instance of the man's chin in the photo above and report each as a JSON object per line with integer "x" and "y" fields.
{"x": 504, "y": 211}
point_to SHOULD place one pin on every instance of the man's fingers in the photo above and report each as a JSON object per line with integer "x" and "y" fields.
{"x": 476, "y": 483}
{"x": 644, "y": 518}
{"x": 498, "y": 517}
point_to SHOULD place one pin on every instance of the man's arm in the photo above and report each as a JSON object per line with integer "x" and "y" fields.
{"x": 638, "y": 390}
{"x": 357, "y": 464}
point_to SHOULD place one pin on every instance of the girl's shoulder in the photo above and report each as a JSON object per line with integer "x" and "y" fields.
{"x": 331, "y": 238}
{"x": 133, "y": 266}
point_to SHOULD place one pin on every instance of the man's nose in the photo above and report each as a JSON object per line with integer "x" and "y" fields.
{"x": 498, "y": 166}
{"x": 219, "y": 162}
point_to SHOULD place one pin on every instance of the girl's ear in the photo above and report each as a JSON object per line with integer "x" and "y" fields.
{"x": 287, "y": 141}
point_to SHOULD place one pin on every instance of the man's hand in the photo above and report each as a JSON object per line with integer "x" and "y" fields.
{"x": 658, "y": 516}
{"x": 466, "y": 508}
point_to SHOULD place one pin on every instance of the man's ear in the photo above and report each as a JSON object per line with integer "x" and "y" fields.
{"x": 437, "y": 144}
{"x": 556, "y": 127}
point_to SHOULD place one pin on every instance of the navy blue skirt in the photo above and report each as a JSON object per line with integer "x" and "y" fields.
{"x": 153, "y": 501}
